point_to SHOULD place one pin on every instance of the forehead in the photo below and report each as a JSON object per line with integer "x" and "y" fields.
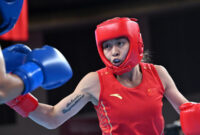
{"x": 116, "y": 39}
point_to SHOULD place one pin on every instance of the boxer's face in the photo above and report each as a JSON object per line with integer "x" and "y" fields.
{"x": 116, "y": 50}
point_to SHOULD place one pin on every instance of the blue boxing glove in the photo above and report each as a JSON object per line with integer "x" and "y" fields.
{"x": 45, "y": 67}
{"x": 9, "y": 14}
{"x": 15, "y": 56}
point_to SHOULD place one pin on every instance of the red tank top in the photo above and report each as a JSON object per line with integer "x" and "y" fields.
{"x": 131, "y": 111}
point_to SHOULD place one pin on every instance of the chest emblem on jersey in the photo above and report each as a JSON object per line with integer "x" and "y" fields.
{"x": 116, "y": 95}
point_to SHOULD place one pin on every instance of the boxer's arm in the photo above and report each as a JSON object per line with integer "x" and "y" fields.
{"x": 2, "y": 64}
{"x": 53, "y": 116}
{"x": 11, "y": 86}
{"x": 171, "y": 92}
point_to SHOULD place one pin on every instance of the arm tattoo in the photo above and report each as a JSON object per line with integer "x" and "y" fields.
{"x": 72, "y": 103}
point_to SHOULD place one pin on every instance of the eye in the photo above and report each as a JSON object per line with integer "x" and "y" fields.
{"x": 120, "y": 43}
{"x": 106, "y": 46}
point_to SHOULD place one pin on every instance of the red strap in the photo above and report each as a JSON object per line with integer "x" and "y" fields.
{"x": 23, "y": 104}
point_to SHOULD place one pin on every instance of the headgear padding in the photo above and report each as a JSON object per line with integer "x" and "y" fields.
{"x": 121, "y": 27}
{"x": 9, "y": 14}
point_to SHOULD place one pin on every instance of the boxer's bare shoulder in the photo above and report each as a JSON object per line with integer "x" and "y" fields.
{"x": 90, "y": 84}
{"x": 171, "y": 91}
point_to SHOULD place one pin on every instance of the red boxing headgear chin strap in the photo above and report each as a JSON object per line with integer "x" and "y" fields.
{"x": 121, "y": 27}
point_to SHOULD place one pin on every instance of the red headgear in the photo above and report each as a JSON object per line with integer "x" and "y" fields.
{"x": 121, "y": 27}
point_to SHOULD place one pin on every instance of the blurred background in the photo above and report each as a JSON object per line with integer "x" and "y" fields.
{"x": 170, "y": 30}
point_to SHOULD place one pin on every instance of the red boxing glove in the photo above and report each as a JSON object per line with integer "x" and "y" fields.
{"x": 190, "y": 118}
{"x": 23, "y": 104}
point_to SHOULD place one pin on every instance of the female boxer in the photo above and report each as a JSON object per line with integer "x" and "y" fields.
{"x": 127, "y": 94}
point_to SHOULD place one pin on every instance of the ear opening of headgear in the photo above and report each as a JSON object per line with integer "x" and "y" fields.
{"x": 9, "y": 14}
{"x": 121, "y": 27}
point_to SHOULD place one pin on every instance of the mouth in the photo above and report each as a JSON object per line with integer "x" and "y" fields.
{"x": 116, "y": 62}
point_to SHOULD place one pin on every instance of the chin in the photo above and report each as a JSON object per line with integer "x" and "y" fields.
{"x": 117, "y": 65}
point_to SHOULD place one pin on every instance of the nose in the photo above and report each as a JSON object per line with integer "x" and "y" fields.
{"x": 115, "y": 51}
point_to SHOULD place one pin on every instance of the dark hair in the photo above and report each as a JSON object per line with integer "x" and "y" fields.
{"x": 146, "y": 57}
